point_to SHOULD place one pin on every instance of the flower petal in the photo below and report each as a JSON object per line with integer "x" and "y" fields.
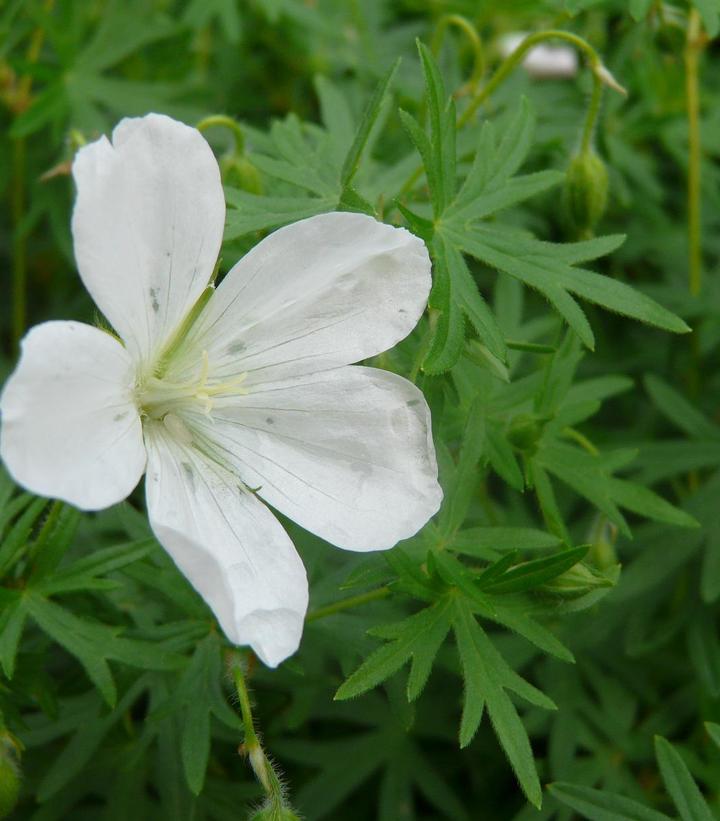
{"x": 323, "y": 292}
{"x": 70, "y": 428}
{"x": 147, "y": 225}
{"x": 347, "y": 453}
{"x": 229, "y": 546}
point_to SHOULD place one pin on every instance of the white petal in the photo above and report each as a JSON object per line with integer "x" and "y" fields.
{"x": 229, "y": 546}
{"x": 320, "y": 293}
{"x": 147, "y": 225}
{"x": 347, "y": 454}
{"x": 70, "y": 428}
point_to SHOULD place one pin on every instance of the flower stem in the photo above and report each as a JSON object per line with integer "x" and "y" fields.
{"x": 263, "y": 769}
{"x": 19, "y": 257}
{"x": 223, "y": 121}
{"x": 464, "y": 25}
{"x": 347, "y": 604}
{"x": 693, "y": 48}
{"x": 17, "y": 195}
{"x": 600, "y": 75}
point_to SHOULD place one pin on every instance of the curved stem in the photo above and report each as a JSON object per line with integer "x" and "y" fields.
{"x": 600, "y": 74}
{"x": 582, "y": 440}
{"x": 223, "y": 121}
{"x": 464, "y": 25}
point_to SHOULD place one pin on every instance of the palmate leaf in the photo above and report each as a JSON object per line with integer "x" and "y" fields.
{"x": 486, "y": 674}
{"x": 389, "y": 749}
{"x": 321, "y": 163}
{"x": 459, "y": 228}
{"x": 418, "y": 637}
{"x": 535, "y": 265}
{"x": 592, "y": 477}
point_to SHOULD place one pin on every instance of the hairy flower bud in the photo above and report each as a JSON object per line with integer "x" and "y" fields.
{"x": 585, "y": 193}
{"x": 525, "y": 432}
{"x": 239, "y": 172}
{"x": 580, "y": 579}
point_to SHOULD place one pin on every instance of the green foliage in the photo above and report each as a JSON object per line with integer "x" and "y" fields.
{"x": 557, "y": 620}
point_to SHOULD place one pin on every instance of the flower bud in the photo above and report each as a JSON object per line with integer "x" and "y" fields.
{"x": 239, "y": 172}
{"x": 580, "y": 579}
{"x": 9, "y": 776}
{"x": 525, "y": 432}
{"x": 585, "y": 193}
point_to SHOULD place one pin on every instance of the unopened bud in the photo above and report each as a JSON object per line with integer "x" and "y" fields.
{"x": 239, "y": 172}
{"x": 586, "y": 192}
{"x": 580, "y": 579}
{"x": 525, "y": 432}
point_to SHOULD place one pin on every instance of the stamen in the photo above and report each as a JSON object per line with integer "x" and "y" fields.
{"x": 158, "y": 397}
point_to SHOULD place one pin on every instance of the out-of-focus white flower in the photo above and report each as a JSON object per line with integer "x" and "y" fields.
{"x": 226, "y": 397}
{"x": 542, "y": 60}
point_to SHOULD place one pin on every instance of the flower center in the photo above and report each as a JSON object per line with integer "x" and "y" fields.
{"x": 159, "y": 397}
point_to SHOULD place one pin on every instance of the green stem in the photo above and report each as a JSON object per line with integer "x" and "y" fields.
{"x": 346, "y": 604}
{"x": 223, "y": 121}
{"x": 582, "y": 440}
{"x": 512, "y": 60}
{"x": 262, "y": 768}
{"x": 19, "y": 260}
{"x": 591, "y": 115}
{"x": 601, "y": 77}
{"x": 17, "y": 196}
{"x": 464, "y": 25}
{"x": 692, "y": 58}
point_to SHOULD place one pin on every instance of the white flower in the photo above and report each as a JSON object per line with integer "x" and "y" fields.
{"x": 229, "y": 396}
{"x": 542, "y": 60}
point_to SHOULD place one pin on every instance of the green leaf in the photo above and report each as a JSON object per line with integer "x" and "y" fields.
{"x": 352, "y": 160}
{"x": 534, "y": 264}
{"x": 482, "y": 541}
{"x": 710, "y": 13}
{"x": 522, "y": 624}
{"x": 532, "y": 574}
{"x": 639, "y": 9}
{"x": 683, "y": 790}
{"x": 442, "y": 131}
{"x": 678, "y": 410}
{"x": 704, "y": 651}
{"x": 12, "y": 623}
{"x": 418, "y": 637}
{"x": 87, "y": 641}
{"x": 485, "y": 681}
{"x": 15, "y": 540}
{"x": 646, "y": 502}
{"x": 600, "y": 805}
{"x": 714, "y": 732}
{"x": 253, "y": 212}
{"x": 460, "y": 492}
{"x": 92, "y": 727}
{"x": 466, "y": 293}
{"x": 79, "y": 574}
